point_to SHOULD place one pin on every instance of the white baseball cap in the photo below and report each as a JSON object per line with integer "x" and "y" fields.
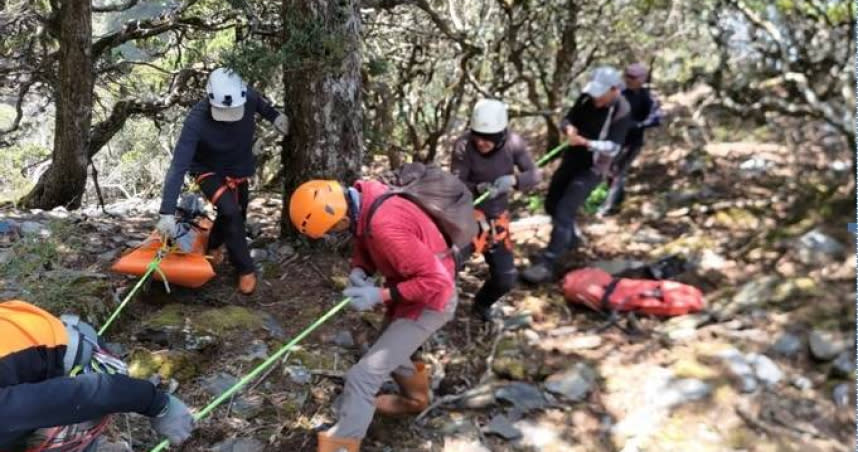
{"x": 227, "y": 94}
{"x": 602, "y": 80}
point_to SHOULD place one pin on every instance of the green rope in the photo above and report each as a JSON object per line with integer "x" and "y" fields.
{"x": 545, "y": 158}
{"x": 482, "y": 198}
{"x": 152, "y": 267}
{"x": 268, "y": 362}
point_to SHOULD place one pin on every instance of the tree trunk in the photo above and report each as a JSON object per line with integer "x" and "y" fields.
{"x": 64, "y": 182}
{"x": 322, "y": 99}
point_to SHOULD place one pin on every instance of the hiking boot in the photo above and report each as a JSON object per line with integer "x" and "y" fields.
{"x": 247, "y": 283}
{"x": 216, "y": 256}
{"x": 414, "y": 396}
{"x": 537, "y": 273}
{"x": 335, "y": 444}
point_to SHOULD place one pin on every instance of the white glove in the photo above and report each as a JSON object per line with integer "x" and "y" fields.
{"x": 364, "y": 298}
{"x": 167, "y": 225}
{"x": 504, "y": 184}
{"x": 282, "y": 124}
{"x": 175, "y": 421}
{"x": 359, "y": 278}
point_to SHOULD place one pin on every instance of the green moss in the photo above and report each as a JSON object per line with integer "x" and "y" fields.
{"x": 227, "y": 319}
{"x": 182, "y": 366}
{"x": 170, "y": 316}
{"x": 318, "y": 359}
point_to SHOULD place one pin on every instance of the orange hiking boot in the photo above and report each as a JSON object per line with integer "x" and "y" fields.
{"x": 247, "y": 283}
{"x": 413, "y": 397}
{"x": 335, "y": 444}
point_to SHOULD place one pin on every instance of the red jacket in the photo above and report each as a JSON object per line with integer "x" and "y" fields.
{"x": 404, "y": 246}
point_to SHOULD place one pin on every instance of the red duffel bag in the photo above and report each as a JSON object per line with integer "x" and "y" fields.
{"x": 599, "y": 290}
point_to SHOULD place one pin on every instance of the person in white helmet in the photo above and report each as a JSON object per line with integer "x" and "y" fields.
{"x": 215, "y": 147}
{"x": 486, "y": 159}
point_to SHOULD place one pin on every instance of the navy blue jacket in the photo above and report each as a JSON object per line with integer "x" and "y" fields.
{"x": 206, "y": 145}
{"x": 645, "y": 113}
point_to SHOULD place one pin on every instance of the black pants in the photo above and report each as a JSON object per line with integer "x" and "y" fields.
{"x": 567, "y": 193}
{"x": 502, "y": 273}
{"x": 229, "y": 226}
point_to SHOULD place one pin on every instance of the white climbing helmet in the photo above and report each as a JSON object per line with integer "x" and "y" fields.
{"x": 489, "y": 116}
{"x": 227, "y": 94}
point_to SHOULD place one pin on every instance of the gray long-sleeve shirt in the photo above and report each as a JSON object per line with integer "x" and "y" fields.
{"x": 473, "y": 168}
{"x": 206, "y": 145}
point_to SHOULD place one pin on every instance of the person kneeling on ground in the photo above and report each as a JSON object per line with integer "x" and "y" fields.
{"x": 58, "y": 385}
{"x": 596, "y": 128}
{"x": 397, "y": 239}
{"x": 485, "y": 159}
{"x": 215, "y": 146}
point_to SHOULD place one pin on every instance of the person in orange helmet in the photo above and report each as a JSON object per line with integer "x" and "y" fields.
{"x": 398, "y": 240}
{"x": 58, "y": 385}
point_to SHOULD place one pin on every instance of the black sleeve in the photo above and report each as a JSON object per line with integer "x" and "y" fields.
{"x": 183, "y": 155}
{"x": 69, "y": 400}
{"x": 263, "y": 106}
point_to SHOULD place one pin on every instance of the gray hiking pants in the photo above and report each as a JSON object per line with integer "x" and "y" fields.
{"x": 391, "y": 353}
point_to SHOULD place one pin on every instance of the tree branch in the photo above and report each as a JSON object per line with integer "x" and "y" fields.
{"x": 119, "y": 7}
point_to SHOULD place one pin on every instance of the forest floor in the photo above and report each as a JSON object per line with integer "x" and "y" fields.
{"x": 767, "y": 367}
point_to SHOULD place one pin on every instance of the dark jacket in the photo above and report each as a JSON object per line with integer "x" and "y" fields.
{"x": 645, "y": 113}
{"x": 589, "y": 120}
{"x": 34, "y": 391}
{"x": 206, "y": 145}
{"x": 473, "y": 168}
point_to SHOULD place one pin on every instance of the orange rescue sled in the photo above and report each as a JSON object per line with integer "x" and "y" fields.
{"x": 600, "y": 291}
{"x": 182, "y": 269}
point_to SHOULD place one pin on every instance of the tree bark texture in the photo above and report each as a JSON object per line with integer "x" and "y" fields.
{"x": 323, "y": 101}
{"x": 65, "y": 180}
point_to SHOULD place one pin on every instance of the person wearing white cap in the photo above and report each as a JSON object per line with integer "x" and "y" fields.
{"x": 595, "y": 128}
{"x": 216, "y": 148}
{"x": 645, "y": 113}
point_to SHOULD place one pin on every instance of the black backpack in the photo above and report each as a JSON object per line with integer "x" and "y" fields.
{"x": 440, "y": 194}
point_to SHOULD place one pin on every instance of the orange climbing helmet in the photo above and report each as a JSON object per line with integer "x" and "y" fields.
{"x": 316, "y": 206}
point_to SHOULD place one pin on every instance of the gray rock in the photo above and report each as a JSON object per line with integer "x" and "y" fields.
{"x": 257, "y": 350}
{"x": 741, "y": 369}
{"x": 524, "y": 396}
{"x": 824, "y": 346}
{"x": 116, "y": 349}
{"x": 239, "y": 445}
{"x": 522, "y": 320}
{"x": 344, "y": 339}
{"x": 270, "y": 324}
{"x": 59, "y": 212}
{"x": 6, "y": 256}
{"x": 756, "y": 292}
{"x": 840, "y": 394}
{"x": 500, "y": 425}
{"x": 478, "y": 398}
{"x": 531, "y": 336}
{"x": 246, "y": 407}
{"x": 650, "y": 236}
{"x": 217, "y": 384}
{"x": 844, "y": 365}
{"x": 802, "y": 383}
{"x": 573, "y": 383}
{"x": 286, "y": 251}
{"x": 108, "y": 256}
{"x": 299, "y": 374}
{"x": 815, "y": 247}
{"x": 765, "y": 369}
{"x": 683, "y": 390}
{"x": 710, "y": 260}
{"x": 108, "y": 446}
{"x": 35, "y": 228}
{"x": 258, "y": 254}
{"x": 617, "y": 265}
{"x": 787, "y": 345}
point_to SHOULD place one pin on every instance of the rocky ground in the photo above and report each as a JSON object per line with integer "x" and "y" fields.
{"x": 767, "y": 367}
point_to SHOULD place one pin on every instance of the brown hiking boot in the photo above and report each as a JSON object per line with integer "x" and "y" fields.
{"x": 247, "y": 283}
{"x": 216, "y": 256}
{"x": 414, "y": 396}
{"x": 335, "y": 444}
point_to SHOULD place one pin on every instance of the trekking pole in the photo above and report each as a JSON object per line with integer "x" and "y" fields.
{"x": 545, "y": 158}
{"x": 268, "y": 362}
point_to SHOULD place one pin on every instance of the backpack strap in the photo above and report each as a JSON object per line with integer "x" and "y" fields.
{"x": 609, "y": 290}
{"x": 452, "y": 249}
